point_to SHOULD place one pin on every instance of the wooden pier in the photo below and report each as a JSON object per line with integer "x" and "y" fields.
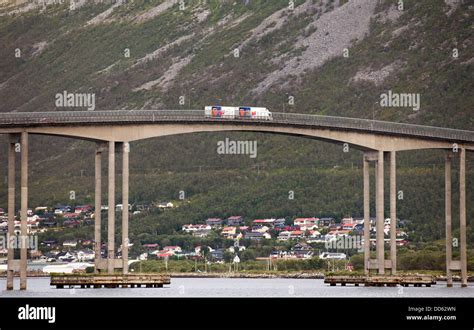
{"x": 110, "y": 281}
{"x": 388, "y": 280}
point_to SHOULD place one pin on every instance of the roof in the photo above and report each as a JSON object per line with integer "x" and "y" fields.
{"x": 306, "y": 219}
{"x": 253, "y": 233}
{"x": 214, "y": 220}
{"x": 296, "y": 232}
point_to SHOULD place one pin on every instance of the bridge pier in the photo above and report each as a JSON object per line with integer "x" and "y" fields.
{"x": 125, "y": 184}
{"x": 462, "y": 216}
{"x": 24, "y": 209}
{"x": 111, "y": 209}
{"x": 98, "y": 205}
{"x": 13, "y": 138}
{"x": 461, "y": 264}
{"x": 380, "y": 263}
{"x": 14, "y": 265}
{"x": 112, "y": 263}
{"x": 447, "y": 210}
{"x": 379, "y": 205}
{"x": 366, "y": 169}
{"x": 393, "y": 212}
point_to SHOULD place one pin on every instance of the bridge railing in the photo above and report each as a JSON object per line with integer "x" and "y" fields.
{"x": 141, "y": 116}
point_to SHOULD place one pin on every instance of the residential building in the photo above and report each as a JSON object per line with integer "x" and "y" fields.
{"x": 83, "y": 209}
{"x": 295, "y": 234}
{"x": 260, "y": 229}
{"x": 348, "y": 226}
{"x": 255, "y": 236}
{"x": 70, "y": 243}
{"x": 326, "y": 222}
{"x": 217, "y": 254}
{"x": 306, "y": 223}
{"x": 236, "y": 220}
{"x": 333, "y": 255}
{"x": 228, "y": 232}
{"x": 192, "y": 228}
{"x": 284, "y": 236}
{"x": 214, "y": 222}
{"x": 350, "y": 220}
{"x": 172, "y": 249}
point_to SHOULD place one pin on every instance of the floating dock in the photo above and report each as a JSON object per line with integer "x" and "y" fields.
{"x": 389, "y": 280}
{"x": 110, "y": 281}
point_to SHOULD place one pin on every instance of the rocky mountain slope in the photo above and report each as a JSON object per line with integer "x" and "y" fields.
{"x": 305, "y": 56}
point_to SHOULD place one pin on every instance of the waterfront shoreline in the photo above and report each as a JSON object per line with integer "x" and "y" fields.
{"x": 316, "y": 275}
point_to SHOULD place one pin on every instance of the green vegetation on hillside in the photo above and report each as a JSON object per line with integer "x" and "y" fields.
{"x": 326, "y": 181}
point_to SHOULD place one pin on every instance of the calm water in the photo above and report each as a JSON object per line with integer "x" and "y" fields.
{"x": 231, "y": 287}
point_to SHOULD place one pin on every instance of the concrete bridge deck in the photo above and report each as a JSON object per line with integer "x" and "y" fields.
{"x": 124, "y": 117}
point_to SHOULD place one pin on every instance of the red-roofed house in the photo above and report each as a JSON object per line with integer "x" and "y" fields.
{"x": 306, "y": 223}
{"x": 348, "y": 226}
{"x": 70, "y": 215}
{"x": 172, "y": 249}
{"x": 296, "y": 234}
{"x": 228, "y": 232}
{"x": 83, "y": 209}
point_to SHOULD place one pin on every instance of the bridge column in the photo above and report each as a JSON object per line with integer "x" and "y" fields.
{"x": 393, "y": 212}
{"x": 447, "y": 210}
{"x": 98, "y": 206}
{"x": 462, "y": 216}
{"x": 24, "y": 209}
{"x": 111, "y": 210}
{"x": 11, "y": 212}
{"x": 125, "y": 180}
{"x": 366, "y": 215}
{"x": 380, "y": 212}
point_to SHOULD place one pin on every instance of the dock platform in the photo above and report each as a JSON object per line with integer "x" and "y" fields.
{"x": 109, "y": 281}
{"x": 388, "y": 280}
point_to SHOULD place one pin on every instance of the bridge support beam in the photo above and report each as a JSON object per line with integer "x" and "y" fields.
{"x": 393, "y": 212}
{"x": 447, "y": 210}
{"x": 11, "y": 209}
{"x": 461, "y": 264}
{"x": 462, "y": 216}
{"x": 125, "y": 185}
{"x": 24, "y": 209}
{"x": 366, "y": 214}
{"x": 111, "y": 209}
{"x": 98, "y": 205}
{"x": 380, "y": 212}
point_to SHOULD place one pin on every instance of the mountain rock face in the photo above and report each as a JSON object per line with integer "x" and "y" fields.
{"x": 329, "y": 57}
{"x": 333, "y": 57}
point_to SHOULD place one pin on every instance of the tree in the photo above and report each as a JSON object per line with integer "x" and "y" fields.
{"x": 248, "y": 255}
{"x": 205, "y": 251}
{"x": 228, "y": 256}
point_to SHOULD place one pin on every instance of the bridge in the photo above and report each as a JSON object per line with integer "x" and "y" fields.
{"x": 113, "y": 131}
